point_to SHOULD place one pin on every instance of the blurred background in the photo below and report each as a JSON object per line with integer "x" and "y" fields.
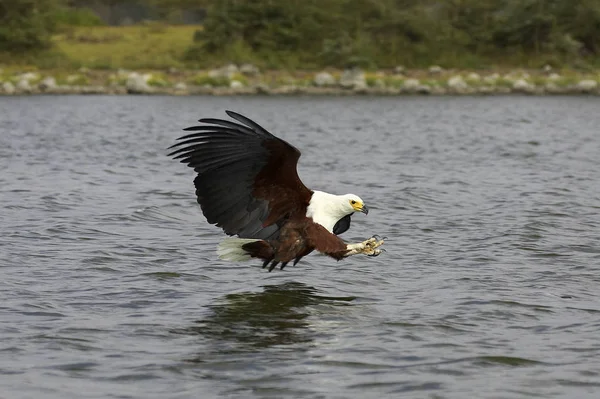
{"x": 300, "y": 34}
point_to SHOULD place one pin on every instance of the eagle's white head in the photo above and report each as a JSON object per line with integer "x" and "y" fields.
{"x": 352, "y": 203}
{"x": 327, "y": 209}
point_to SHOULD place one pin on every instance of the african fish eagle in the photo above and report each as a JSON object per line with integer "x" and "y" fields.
{"x": 248, "y": 185}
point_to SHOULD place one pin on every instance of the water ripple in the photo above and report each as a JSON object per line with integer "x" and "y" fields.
{"x": 489, "y": 286}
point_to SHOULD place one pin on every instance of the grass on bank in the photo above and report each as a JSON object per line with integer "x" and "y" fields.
{"x": 146, "y": 46}
{"x": 158, "y": 46}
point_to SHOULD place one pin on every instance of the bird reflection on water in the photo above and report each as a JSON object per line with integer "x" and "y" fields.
{"x": 254, "y": 320}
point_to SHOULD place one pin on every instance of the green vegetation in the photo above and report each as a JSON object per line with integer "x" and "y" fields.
{"x": 303, "y": 34}
{"x": 26, "y": 25}
{"x": 414, "y": 33}
{"x": 145, "y": 46}
{"x": 205, "y": 79}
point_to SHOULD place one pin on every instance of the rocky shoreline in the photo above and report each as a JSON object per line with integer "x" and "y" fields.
{"x": 248, "y": 80}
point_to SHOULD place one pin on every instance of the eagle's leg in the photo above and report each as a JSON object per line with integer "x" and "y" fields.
{"x": 368, "y": 247}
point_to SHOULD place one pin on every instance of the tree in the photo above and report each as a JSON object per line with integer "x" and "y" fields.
{"x": 27, "y": 24}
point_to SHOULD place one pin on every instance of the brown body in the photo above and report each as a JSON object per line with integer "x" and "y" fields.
{"x": 297, "y": 239}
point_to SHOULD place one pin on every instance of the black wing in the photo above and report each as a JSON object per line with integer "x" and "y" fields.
{"x": 342, "y": 225}
{"x": 247, "y": 182}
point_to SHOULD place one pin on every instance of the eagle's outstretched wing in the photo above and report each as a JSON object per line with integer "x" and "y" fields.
{"x": 247, "y": 181}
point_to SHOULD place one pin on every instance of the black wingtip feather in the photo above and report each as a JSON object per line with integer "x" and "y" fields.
{"x": 247, "y": 121}
{"x": 273, "y": 265}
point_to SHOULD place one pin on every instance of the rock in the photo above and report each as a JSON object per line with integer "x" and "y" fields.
{"x": 485, "y": 90}
{"x": 79, "y": 80}
{"x": 180, "y": 86}
{"x": 552, "y": 88}
{"x": 226, "y": 72}
{"x": 215, "y": 74}
{"x": 262, "y": 88}
{"x": 353, "y": 79}
{"x": 399, "y": 70}
{"x": 523, "y": 86}
{"x": 457, "y": 84}
{"x": 137, "y": 84}
{"x": 553, "y": 76}
{"x": 47, "y": 84}
{"x": 437, "y": 90}
{"x": 587, "y": 85}
{"x": 84, "y": 70}
{"x": 236, "y": 84}
{"x": 491, "y": 79}
{"x": 172, "y": 71}
{"x": 411, "y": 84}
{"x": 360, "y": 90}
{"x": 424, "y": 89}
{"x": 23, "y": 86}
{"x": 474, "y": 77}
{"x": 379, "y": 83}
{"x": 435, "y": 70}
{"x": 249, "y": 70}
{"x": 29, "y": 76}
{"x": 324, "y": 79}
{"x": 8, "y": 88}
{"x": 547, "y": 68}
{"x": 230, "y": 70}
{"x": 287, "y": 89}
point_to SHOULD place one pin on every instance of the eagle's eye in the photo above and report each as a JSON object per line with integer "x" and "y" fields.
{"x": 353, "y": 202}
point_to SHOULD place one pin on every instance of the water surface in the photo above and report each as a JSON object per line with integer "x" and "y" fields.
{"x": 110, "y": 287}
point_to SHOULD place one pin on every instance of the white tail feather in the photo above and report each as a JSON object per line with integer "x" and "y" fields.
{"x": 231, "y": 249}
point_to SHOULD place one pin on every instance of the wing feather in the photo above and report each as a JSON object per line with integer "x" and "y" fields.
{"x": 247, "y": 182}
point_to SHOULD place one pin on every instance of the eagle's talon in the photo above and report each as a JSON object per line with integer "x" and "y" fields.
{"x": 371, "y": 242}
{"x": 374, "y": 243}
{"x": 376, "y": 252}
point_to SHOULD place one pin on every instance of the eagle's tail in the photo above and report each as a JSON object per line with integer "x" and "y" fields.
{"x": 242, "y": 249}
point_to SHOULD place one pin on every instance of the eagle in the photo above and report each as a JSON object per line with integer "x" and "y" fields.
{"x": 247, "y": 183}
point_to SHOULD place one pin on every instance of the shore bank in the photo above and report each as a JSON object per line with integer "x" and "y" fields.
{"x": 249, "y": 80}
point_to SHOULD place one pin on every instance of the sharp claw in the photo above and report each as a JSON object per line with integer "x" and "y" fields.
{"x": 383, "y": 238}
{"x": 376, "y": 236}
{"x": 375, "y": 253}
{"x": 266, "y": 262}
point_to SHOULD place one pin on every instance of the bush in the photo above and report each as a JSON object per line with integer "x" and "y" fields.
{"x": 76, "y": 17}
{"x": 27, "y": 25}
{"x": 385, "y": 33}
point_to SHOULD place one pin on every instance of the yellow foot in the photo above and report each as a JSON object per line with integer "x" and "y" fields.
{"x": 371, "y": 246}
{"x": 368, "y": 247}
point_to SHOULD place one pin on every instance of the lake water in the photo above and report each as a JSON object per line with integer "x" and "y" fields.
{"x": 490, "y": 287}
